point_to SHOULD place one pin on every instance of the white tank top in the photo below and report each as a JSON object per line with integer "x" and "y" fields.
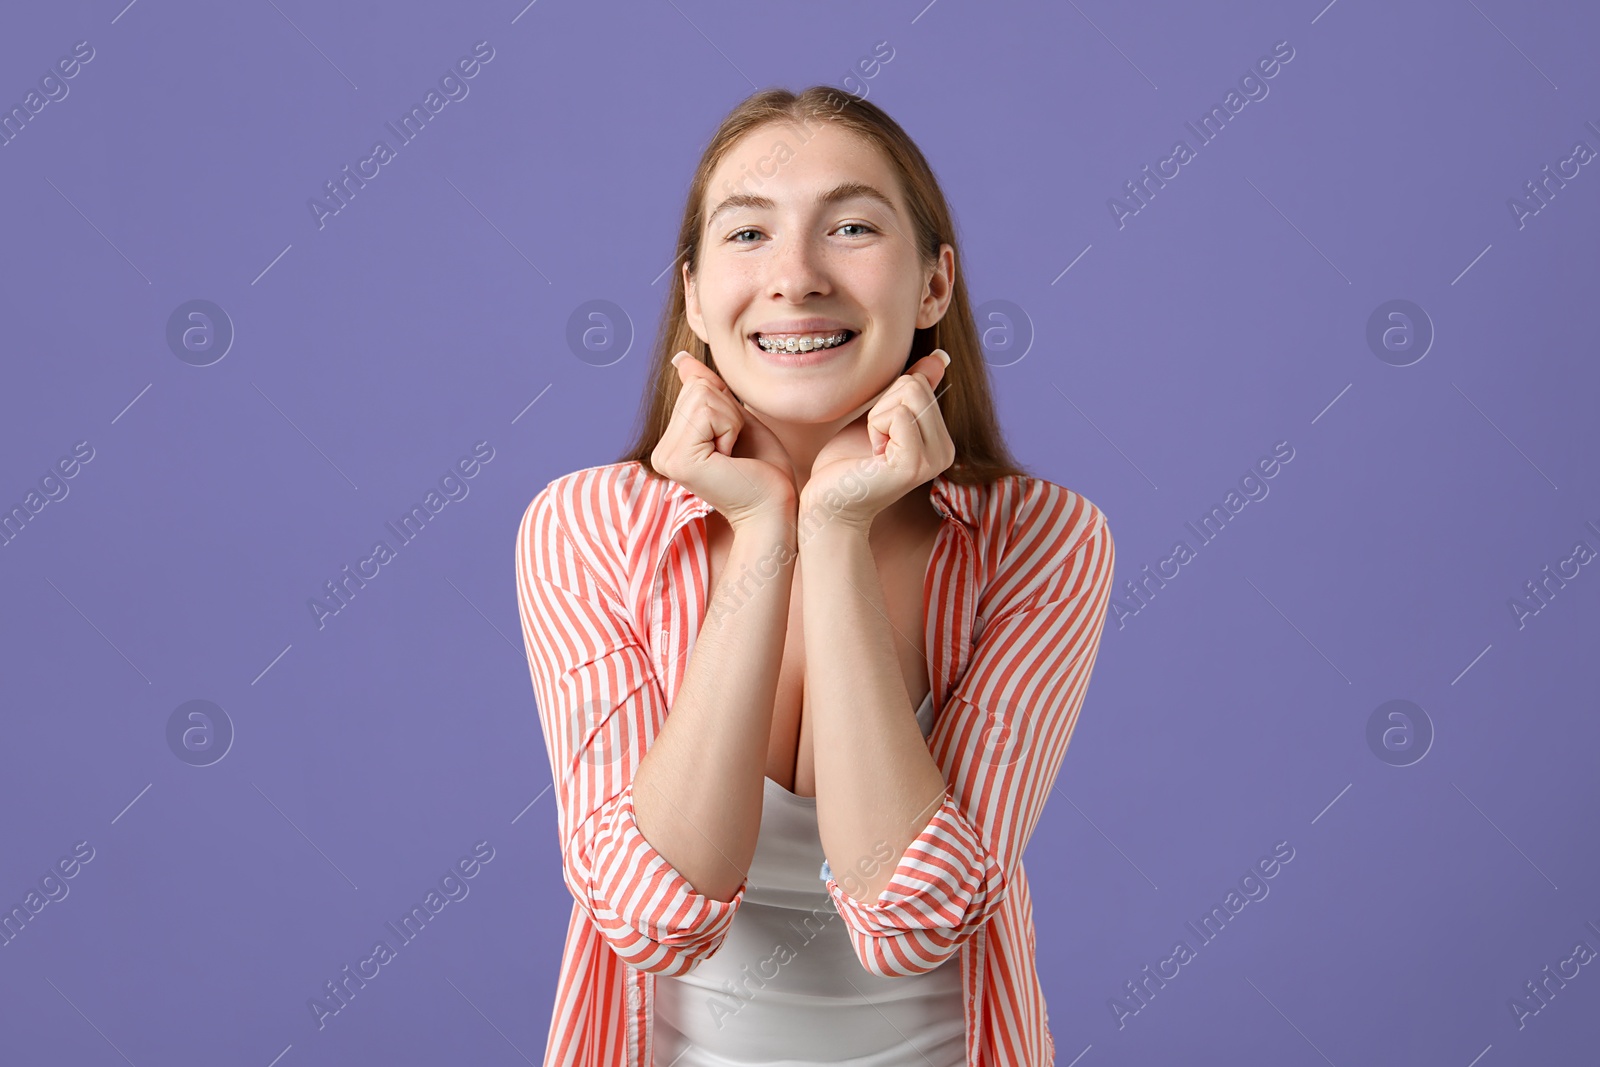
{"x": 784, "y": 989}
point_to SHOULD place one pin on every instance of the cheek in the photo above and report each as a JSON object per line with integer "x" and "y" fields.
{"x": 890, "y": 287}
{"x": 728, "y": 296}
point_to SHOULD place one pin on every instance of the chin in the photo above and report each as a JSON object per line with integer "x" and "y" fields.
{"x": 793, "y": 405}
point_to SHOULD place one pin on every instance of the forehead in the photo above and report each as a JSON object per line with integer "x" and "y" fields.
{"x": 790, "y": 162}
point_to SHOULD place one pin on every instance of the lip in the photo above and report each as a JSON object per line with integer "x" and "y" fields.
{"x": 804, "y": 359}
{"x": 811, "y": 325}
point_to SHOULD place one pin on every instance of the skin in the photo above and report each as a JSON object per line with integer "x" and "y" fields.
{"x": 820, "y": 674}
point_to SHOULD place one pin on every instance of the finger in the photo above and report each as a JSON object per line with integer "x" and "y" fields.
{"x": 931, "y": 367}
{"x": 929, "y": 371}
{"x": 924, "y": 405}
{"x": 708, "y": 414}
{"x": 913, "y": 394}
{"x": 725, "y": 419}
{"x": 760, "y": 442}
{"x": 693, "y": 371}
{"x": 911, "y": 390}
{"x": 898, "y": 438}
{"x": 690, "y": 369}
{"x": 878, "y": 413}
{"x": 923, "y": 400}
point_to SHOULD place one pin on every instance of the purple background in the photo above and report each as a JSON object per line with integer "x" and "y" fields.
{"x": 432, "y": 312}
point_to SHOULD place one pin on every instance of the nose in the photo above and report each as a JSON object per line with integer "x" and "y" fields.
{"x": 798, "y": 269}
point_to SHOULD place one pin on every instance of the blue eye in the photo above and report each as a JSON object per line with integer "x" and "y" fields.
{"x": 736, "y": 233}
{"x": 862, "y": 225}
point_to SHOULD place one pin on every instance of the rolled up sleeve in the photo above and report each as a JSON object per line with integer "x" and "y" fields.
{"x": 1000, "y": 741}
{"x": 600, "y": 705}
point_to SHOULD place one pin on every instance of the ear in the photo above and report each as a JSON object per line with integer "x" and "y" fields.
{"x": 939, "y": 289}
{"x": 691, "y": 306}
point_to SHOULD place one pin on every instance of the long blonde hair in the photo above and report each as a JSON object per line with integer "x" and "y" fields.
{"x": 964, "y": 395}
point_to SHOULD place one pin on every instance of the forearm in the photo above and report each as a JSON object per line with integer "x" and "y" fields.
{"x": 697, "y": 792}
{"x": 877, "y": 783}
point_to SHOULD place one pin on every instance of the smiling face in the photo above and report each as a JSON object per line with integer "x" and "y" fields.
{"x": 807, "y": 241}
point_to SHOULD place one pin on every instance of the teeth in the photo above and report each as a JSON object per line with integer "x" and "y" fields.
{"x": 802, "y": 343}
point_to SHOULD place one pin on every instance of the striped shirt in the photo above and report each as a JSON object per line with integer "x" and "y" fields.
{"x": 613, "y": 581}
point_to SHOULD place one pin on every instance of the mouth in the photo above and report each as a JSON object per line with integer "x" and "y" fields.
{"x": 802, "y": 349}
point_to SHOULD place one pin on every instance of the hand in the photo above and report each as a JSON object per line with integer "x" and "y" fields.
{"x": 899, "y": 443}
{"x": 715, "y": 446}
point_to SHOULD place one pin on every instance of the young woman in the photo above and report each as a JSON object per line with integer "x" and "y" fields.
{"x": 808, "y": 658}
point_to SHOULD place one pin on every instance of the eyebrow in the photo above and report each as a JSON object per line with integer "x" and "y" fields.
{"x": 842, "y": 191}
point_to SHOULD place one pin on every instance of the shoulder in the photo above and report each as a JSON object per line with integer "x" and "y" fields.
{"x": 1028, "y": 515}
{"x": 1035, "y": 540}
{"x": 594, "y": 508}
{"x": 604, "y": 494}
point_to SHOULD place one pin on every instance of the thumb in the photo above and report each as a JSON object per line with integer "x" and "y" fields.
{"x": 931, "y": 367}
{"x": 690, "y": 368}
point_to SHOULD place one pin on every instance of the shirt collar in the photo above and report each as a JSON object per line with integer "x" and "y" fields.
{"x": 952, "y": 500}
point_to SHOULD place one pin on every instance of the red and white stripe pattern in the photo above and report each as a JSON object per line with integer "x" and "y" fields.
{"x": 613, "y": 581}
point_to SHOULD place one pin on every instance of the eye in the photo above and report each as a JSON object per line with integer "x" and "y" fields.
{"x": 862, "y": 225}
{"x": 748, "y": 229}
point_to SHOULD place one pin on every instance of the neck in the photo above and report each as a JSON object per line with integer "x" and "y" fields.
{"x": 802, "y": 441}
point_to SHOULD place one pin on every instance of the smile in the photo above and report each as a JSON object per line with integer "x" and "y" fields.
{"x": 802, "y": 342}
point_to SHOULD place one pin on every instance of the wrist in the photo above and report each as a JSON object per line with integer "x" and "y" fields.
{"x": 767, "y": 516}
{"x": 825, "y": 534}
{"x": 814, "y": 516}
{"x": 767, "y": 528}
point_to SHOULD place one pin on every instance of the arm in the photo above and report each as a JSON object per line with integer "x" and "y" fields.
{"x": 877, "y": 781}
{"x": 663, "y": 900}
{"x": 998, "y": 743}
